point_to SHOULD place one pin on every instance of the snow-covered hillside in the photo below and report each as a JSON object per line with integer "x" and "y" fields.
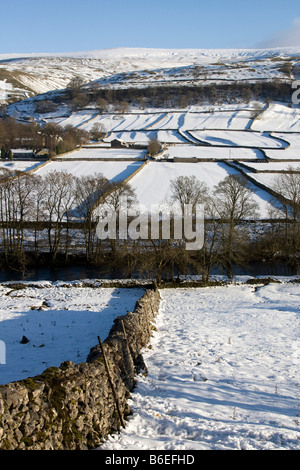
{"x": 22, "y": 75}
{"x": 205, "y": 139}
{"x": 224, "y": 362}
{"x": 152, "y": 184}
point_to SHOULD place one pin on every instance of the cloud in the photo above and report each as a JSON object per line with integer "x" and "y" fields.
{"x": 289, "y": 37}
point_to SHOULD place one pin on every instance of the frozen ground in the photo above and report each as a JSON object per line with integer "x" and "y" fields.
{"x": 278, "y": 117}
{"x": 62, "y": 323}
{"x": 292, "y": 152}
{"x": 20, "y": 165}
{"x": 223, "y": 372}
{"x": 152, "y": 183}
{"x": 112, "y": 170}
{"x": 239, "y": 138}
{"x": 94, "y": 153}
{"x": 211, "y": 153}
{"x": 271, "y": 167}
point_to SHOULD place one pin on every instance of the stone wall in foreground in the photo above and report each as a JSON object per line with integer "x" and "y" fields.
{"x": 76, "y": 406}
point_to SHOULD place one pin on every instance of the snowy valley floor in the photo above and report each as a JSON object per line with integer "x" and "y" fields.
{"x": 223, "y": 372}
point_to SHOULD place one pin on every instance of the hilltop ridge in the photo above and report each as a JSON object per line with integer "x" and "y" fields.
{"x": 26, "y": 75}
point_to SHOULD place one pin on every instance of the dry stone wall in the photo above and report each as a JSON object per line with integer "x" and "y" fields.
{"x": 74, "y": 407}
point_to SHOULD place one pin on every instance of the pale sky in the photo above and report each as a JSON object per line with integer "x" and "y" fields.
{"x": 83, "y": 25}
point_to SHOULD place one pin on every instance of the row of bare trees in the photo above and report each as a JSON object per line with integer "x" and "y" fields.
{"x": 285, "y": 237}
{"x": 230, "y": 211}
{"x": 54, "y": 215}
{"x": 230, "y": 202}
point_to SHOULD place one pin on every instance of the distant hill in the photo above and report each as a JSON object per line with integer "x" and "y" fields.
{"x": 26, "y": 75}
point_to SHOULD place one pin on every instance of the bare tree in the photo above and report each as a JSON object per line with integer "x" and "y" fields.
{"x": 118, "y": 191}
{"x": 7, "y": 209}
{"x": 102, "y": 104}
{"x": 119, "y": 199}
{"x": 234, "y": 202}
{"x": 58, "y": 203}
{"x": 188, "y": 190}
{"x": 52, "y": 134}
{"x": 97, "y": 131}
{"x": 122, "y": 106}
{"x": 208, "y": 256}
{"x": 16, "y": 202}
{"x": 287, "y": 186}
{"x": 88, "y": 192}
{"x": 39, "y": 193}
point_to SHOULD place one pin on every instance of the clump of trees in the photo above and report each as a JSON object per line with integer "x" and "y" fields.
{"x": 225, "y": 208}
{"x": 154, "y": 147}
{"x": 284, "y": 238}
{"x": 50, "y": 136}
{"x": 176, "y": 96}
{"x": 228, "y": 211}
{"x": 15, "y": 134}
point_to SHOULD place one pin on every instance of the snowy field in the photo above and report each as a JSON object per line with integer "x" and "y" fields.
{"x": 223, "y": 372}
{"x": 111, "y": 122}
{"x": 219, "y": 119}
{"x": 21, "y": 165}
{"x": 193, "y": 118}
{"x": 112, "y": 170}
{"x": 273, "y": 166}
{"x": 269, "y": 180}
{"x": 62, "y": 323}
{"x": 212, "y": 153}
{"x": 152, "y": 183}
{"x": 144, "y": 137}
{"x": 278, "y": 117}
{"x": 239, "y": 138}
{"x": 292, "y": 152}
{"x": 94, "y": 153}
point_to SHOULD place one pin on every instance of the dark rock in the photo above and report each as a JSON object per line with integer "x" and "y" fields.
{"x": 24, "y": 340}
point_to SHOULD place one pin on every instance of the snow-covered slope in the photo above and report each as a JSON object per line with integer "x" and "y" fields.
{"x": 22, "y": 75}
{"x": 60, "y": 322}
{"x": 223, "y": 373}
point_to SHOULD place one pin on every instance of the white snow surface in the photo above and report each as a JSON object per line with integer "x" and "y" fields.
{"x": 164, "y": 54}
{"x": 273, "y": 166}
{"x": 203, "y": 152}
{"x": 94, "y": 153}
{"x": 20, "y": 165}
{"x": 239, "y": 138}
{"x": 123, "y": 67}
{"x": 291, "y": 152}
{"x": 223, "y": 372}
{"x": 278, "y": 117}
{"x": 64, "y": 329}
{"x": 152, "y": 184}
{"x": 112, "y": 170}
